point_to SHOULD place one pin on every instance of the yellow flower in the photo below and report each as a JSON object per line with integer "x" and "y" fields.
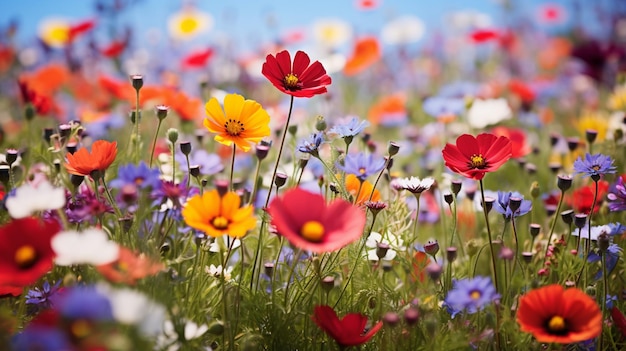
{"x": 219, "y": 215}
{"x": 361, "y": 192}
{"x": 241, "y": 122}
{"x": 189, "y": 23}
{"x": 595, "y": 121}
{"x": 54, "y": 32}
{"x": 617, "y": 100}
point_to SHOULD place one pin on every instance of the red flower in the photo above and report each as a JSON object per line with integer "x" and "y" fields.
{"x": 347, "y": 331}
{"x": 310, "y": 224}
{"x": 619, "y": 320}
{"x": 82, "y": 162}
{"x": 582, "y": 198}
{"x": 519, "y": 146}
{"x": 554, "y": 314}
{"x": 25, "y": 253}
{"x": 483, "y": 35}
{"x": 366, "y": 52}
{"x": 80, "y": 28}
{"x": 197, "y": 59}
{"x": 114, "y": 49}
{"x": 472, "y": 157}
{"x": 300, "y": 80}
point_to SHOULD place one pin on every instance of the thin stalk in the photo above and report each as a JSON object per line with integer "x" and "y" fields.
{"x": 257, "y": 171}
{"x": 380, "y": 174}
{"x": 232, "y": 168}
{"x": 156, "y": 137}
{"x": 556, "y": 216}
{"x": 417, "y": 216}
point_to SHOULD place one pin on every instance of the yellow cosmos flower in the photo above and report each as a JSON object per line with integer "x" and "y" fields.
{"x": 595, "y": 121}
{"x": 54, "y": 32}
{"x": 219, "y": 215}
{"x": 241, "y": 122}
{"x": 617, "y": 100}
{"x": 189, "y": 23}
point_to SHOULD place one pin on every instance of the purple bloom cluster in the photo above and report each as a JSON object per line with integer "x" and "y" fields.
{"x": 594, "y": 165}
{"x": 470, "y": 295}
{"x": 503, "y": 204}
{"x": 361, "y": 165}
{"x": 617, "y": 198}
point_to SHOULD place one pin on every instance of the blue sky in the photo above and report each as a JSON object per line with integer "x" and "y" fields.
{"x": 248, "y": 21}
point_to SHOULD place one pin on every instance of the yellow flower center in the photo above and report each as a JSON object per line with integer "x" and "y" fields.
{"x": 139, "y": 181}
{"x": 291, "y": 81}
{"x": 362, "y": 170}
{"x": 188, "y": 25}
{"x": 234, "y": 127}
{"x": 80, "y": 328}
{"x": 25, "y": 256}
{"x": 475, "y": 295}
{"x": 56, "y": 35}
{"x": 595, "y": 167}
{"x": 312, "y": 231}
{"x": 556, "y": 324}
{"x": 220, "y": 223}
{"x": 477, "y": 161}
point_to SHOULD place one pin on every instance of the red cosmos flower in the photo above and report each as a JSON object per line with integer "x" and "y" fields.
{"x": 25, "y": 253}
{"x": 82, "y": 162}
{"x": 472, "y": 157}
{"x": 80, "y": 28}
{"x": 310, "y": 224}
{"x": 301, "y": 79}
{"x": 519, "y": 146}
{"x": 564, "y": 316}
{"x": 582, "y": 198}
{"x": 347, "y": 331}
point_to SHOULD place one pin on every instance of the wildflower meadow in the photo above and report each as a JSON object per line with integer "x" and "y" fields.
{"x": 375, "y": 177}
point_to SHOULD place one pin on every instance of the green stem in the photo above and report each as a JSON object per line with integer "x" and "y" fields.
{"x": 232, "y": 168}
{"x": 556, "y": 216}
{"x": 156, "y": 137}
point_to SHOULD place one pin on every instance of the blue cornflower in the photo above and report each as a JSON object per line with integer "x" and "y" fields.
{"x": 617, "y": 196}
{"x": 610, "y": 229}
{"x": 140, "y": 176}
{"x": 503, "y": 204}
{"x": 310, "y": 145}
{"x": 438, "y": 106}
{"x": 349, "y": 129}
{"x": 38, "y": 337}
{"x": 594, "y": 165}
{"x": 41, "y": 298}
{"x": 612, "y": 256}
{"x": 84, "y": 302}
{"x": 470, "y": 295}
{"x": 361, "y": 165}
{"x": 616, "y": 228}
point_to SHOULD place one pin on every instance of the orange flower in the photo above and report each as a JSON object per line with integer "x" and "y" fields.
{"x": 361, "y": 192}
{"x": 389, "y": 111}
{"x": 366, "y": 53}
{"x": 564, "y": 316}
{"x": 219, "y": 215}
{"x": 129, "y": 267}
{"x": 84, "y": 163}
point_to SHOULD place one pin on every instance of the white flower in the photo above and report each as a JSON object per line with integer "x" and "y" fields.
{"x": 484, "y": 113}
{"x": 332, "y": 33}
{"x": 168, "y": 339}
{"x": 463, "y": 20}
{"x": 415, "y": 185}
{"x": 29, "y": 199}
{"x": 92, "y": 246}
{"x": 217, "y": 271}
{"x": 134, "y": 308}
{"x": 403, "y": 30}
{"x": 394, "y": 242}
{"x": 227, "y": 242}
{"x": 596, "y": 230}
{"x": 189, "y": 23}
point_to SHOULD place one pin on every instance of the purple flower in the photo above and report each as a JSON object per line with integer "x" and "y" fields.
{"x": 594, "y": 165}
{"x": 617, "y": 198}
{"x": 612, "y": 256}
{"x": 349, "y": 129}
{"x": 471, "y": 295}
{"x": 41, "y": 298}
{"x": 38, "y": 337}
{"x": 84, "y": 302}
{"x": 361, "y": 165}
{"x": 437, "y": 106}
{"x": 503, "y": 204}
{"x": 139, "y": 176}
{"x": 210, "y": 164}
{"x": 310, "y": 145}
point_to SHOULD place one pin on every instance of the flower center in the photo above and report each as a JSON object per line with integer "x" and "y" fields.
{"x": 362, "y": 170}
{"x": 312, "y": 231}
{"x": 477, "y": 161}
{"x": 220, "y": 222}
{"x": 234, "y": 127}
{"x": 25, "y": 256}
{"x": 139, "y": 180}
{"x": 188, "y": 25}
{"x": 556, "y": 324}
{"x": 291, "y": 81}
{"x": 80, "y": 328}
{"x": 475, "y": 295}
{"x": 595, "y": 167}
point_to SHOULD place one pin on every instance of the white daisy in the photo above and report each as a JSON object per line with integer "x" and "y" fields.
{"x": 92, "y": 246}
{"x": 29, "y": 199}
{"x": 488, "y": 112}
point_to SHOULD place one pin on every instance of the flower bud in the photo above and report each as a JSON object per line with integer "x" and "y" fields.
{"x": 47, "y": 134}
{"x": 456, "y": 186}
{"x": 489, "y": 203}
{"x": 573, "y": 143}
{"x": 567, "y": 216}
{"x": 137, "y": 80}
{"x": 393, "y": 148}
{"x": 580, "y": 219}
{"x": 381, "y": 250}
{"x": 515, "y": 203}
{"x": 535, "y": 190}
{"x": 268, "y": 268}
{"x": 432, "y": 247}
{"x": 161, "y": 112}
{"x": 535, "y": 229}
{"x": 65, "y": 130}
{"x": 564, "y": 182}
{"x": 506, "y": 254}
{"x": 411, "y": 316}
{"x": 447, "y": 197}
{"x": 451, "y": 254}
{"x": 221, "y": 185}
{"x": 320, "y": 124}
{"x": 261, "y": 151}
{"x": 293, "y": 129}
{"x": 531, "y": 168}
{"x": 591, "y": 135}
{"x": 604, "y": 240}
{"x": 185, "y": 147}
{"x": 194, "y": 171}
{"x": 76, "y": 180}
{"x": 554, "y": 167}
{"x": 280, "y": 180}
{"x": 216, "y": 328}
{"x": 527, "y": 256}
{"x": 172, "y": 135}
{"x": 434, "y": 271}
{"x": 391, "y": 319}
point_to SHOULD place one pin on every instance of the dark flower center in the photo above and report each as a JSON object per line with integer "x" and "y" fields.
{"x": 477, "y": 161}
{"x": 557, "y": 325}
{"x": 234, "y": 127}
{"x": 25, "y": 256}
{"x": 220, "y": 223}
{"x": 291, "y": 81}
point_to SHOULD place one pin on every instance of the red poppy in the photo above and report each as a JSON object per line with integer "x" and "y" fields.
{"x": 480, "y": 36}
{"x": 519, "y": 146}
{"x": 42, "y": 103}
{"x": 564, "y": 316}
{"x": 521, "y": 89}
{"x": 582, "y": 198}
{"x": 310, "y": 224}
{"x": 10, "y": 290}
{"x": 619, "y": 320}
{"x": 347, "y": 331}
{"x": 366, "y": 52}
{"x": 301, "y": 79}
{"x": 25, "y": 253}
{"x": 472, "y": 157}
{"x": 197, "y": 59}
{"x": 83, "y": 162}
